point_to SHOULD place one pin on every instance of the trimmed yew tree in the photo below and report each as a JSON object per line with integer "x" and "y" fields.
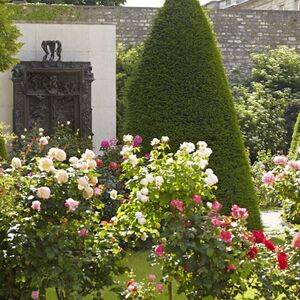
{"x": 295, "y": 144}
{"x": 180, "y": 90}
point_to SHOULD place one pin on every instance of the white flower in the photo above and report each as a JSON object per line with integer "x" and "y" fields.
{"x": 144, "y": 191}
{"x": 93, "y": 180}
{"x": 113, "y": 194}
{"x": 82, "y": 182}
{"x": 88, "y": 155}
{"x": 159, "y": 180}
{"x": 209, "y": 172}
{"x": 73, "y": 160}
{"x": 203, "y": 163}
{"x": 45, "y": 164}
{"x": 144, "y": 181}
{"x": 149, "y": 178}
{"x": 88, "y": 192}
{"x": 207, "y": 152}
{"x": 43, "y": 141}
{"x": 189, "y": 163}
{"x": 187, "y": 147}
{"x": 155, "y": 141}
{"x": 142, "y": 221}
{"x": 144, "y": 198}
{"x": 41, "y": 129}
{"x": 83, "y": 165}
{"x": 209, "y": 204}
{"x": 51, "y": 152}
{"x": 211, "y": 179}
{"x": 165, "y": 139}
{"x": 92, "y": 164}
{"x": 202, "y": 144}
{"x": 139, "y": 215}
{"x": 133, "y": 159}
{"x": 128, "y": 138}
{"x": 60, "y": 155}
{"x": 68, "y": 122}
{"x": 61, "y": 176}
{"x": 43, "y": 192}
{"x": 16, "y": 163}
{"x": 126, "y": 149}
{"x": 169, "y": 161}
{"x": 23, "y": 137}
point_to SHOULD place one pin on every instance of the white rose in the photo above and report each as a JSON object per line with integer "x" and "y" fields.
{"x": 45, "y": 164}
{"x": 144, "y": 198}
{"x": 149, "y": 178}
{"x": 128, "y": 138}
{"x": 61, "y": 176}
{"x": 203, "y": 163}
{"x": 142, "y": 221}
{"x": 92, "y": 164}
{"x": 139, "y": 215}
{"x": 159, "y": 180}
{"x": 41, "y": 129}
{"x": 211, "y": 179}
{"x": 43, "y": 141}
{"x": 82, "y": 182}
{"x": 169, "y": 161}
{"x": 139, "y": 194}
{"x": 83, "y": 166}
{"x": 16, "y": 163}
{"x": 51, "y": 152}
{"x": 208, "y": 152}
{"x": 209, "y": 204}
{"x": 165, "y": 139}
{"x": 133, "y": 159}
{"x": 155, "y": 142}
{"x": 113, "y": 194}
{"x": 88, "y": 192}
{"x": 187, "y": 147}
{"x": 93, "y": 180}
{"x": 144, "y": 191}
{"x": 89, "y": 154}
{"x": 202, "y": 144}
{"x": 60, "y": 155}
{"x": 73, "y": 160}
{"x": 144, "y": 181}
{"x": 43, "y": 192}
{"x": 126, "y": 149}
{"x": 209, "y": 172}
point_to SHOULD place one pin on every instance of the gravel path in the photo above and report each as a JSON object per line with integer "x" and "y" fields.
{"x": 272, "y": 221}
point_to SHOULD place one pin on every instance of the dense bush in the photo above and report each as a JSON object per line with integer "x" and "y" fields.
{"x": 295, "y": 144}
{"x": 268, "y": 102}
{"x": 180, "y": 89}
{"x": 3, "y": 154}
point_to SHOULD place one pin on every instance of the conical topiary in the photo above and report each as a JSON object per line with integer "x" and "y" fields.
{"x": 180, "y": 90}
{"x": 295, "y": 143}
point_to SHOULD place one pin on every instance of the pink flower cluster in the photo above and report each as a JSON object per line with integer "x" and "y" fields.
{"x": 177, "y": 204}
{"x": 238, "y": 212}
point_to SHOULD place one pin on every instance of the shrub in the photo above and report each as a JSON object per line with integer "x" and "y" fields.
{"x": 180, "y": 89}
{"x": 3, "y": 154}
{"x": 294, "y": 148}
{"x": 272, "y": 90}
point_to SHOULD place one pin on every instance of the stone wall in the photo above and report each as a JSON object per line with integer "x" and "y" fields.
{"x": 239, "y": 32}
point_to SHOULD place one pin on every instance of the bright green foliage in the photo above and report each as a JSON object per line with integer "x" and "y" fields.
{"x": 268, "y": 103}
{"x": 81, "y": 2}
{"x": 293, "y": 152}
{"x": 3, "y": 154}
{"x": 180, "y": 90}
{"x": 9, "y": 34}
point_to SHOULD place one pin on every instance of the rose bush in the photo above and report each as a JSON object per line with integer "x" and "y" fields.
{"x": 282, "y": 182}
{"x": 55, "y": 237}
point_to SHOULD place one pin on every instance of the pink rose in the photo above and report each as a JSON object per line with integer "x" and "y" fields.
{"x": 159, "y": 250}
{"x": 71, "y": 204}
{"x": 151, "y": 277}
{"x": 97, "y": 191}
{"x": 216, "y": 206}
{"x": 197, "y": 199}
{"x": 239, "y": 213}
{"x": 296, "y": 241}
{"x": 36, "y": 205}
{"x": 105, "y": 144}
{"x": 294, "y": 164}
{"x": 280, "y": 160}
{"x": 177, "y": 204}
{"x": 268, "y": 178}
{"x": 132, "y": 288}
{"x": 226, "y": 236}
{"x": 160, "y": 288}
{"x": 216, "y": 222}
{"x": 83, "y": 232}
{"x": 35, "y": 294}
{"x": 137, "y": 141}
{"x": 231, "y": 268}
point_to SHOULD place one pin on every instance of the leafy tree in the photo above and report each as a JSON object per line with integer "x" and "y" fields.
{"x": 293, "y": 152}
{"x": 269, "y": 102}
{"x": 81, "y": 2}
{"x": 9, "y": 34}
{"x": 180, "y": 90}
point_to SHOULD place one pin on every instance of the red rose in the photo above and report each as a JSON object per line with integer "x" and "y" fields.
{"x": 99, "y": 162}
{"x": 231, "y": 268}
{"x": 226, "y": 236}
{"x": 282, "y": 260}
{"x": 252, "y": 253}
{"x": 269, "y": 245}
{"x": 259, "y": 237}
{"x": 113, "y": 166}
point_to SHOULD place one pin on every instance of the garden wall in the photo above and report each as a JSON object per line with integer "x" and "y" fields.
{"x": 80, "y": 42}
{"x": 239, "y": 32}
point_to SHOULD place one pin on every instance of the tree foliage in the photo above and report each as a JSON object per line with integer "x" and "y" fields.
{"x": 295, "y": 144}
{"x": 9, "y": 34}
{"x": 81, "y": 2}
{"x": 180, "y": 90}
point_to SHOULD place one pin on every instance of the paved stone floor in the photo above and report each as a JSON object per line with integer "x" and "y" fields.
{"x": 272, "y": 221}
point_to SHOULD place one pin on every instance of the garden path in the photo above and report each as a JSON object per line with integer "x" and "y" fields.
{"x": 272, "y": 221}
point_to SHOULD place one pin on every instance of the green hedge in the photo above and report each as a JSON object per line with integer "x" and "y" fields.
{"x": 3, "y": 154}
{"x": 180, "y": 90}
{"x": 293, "y": 152}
